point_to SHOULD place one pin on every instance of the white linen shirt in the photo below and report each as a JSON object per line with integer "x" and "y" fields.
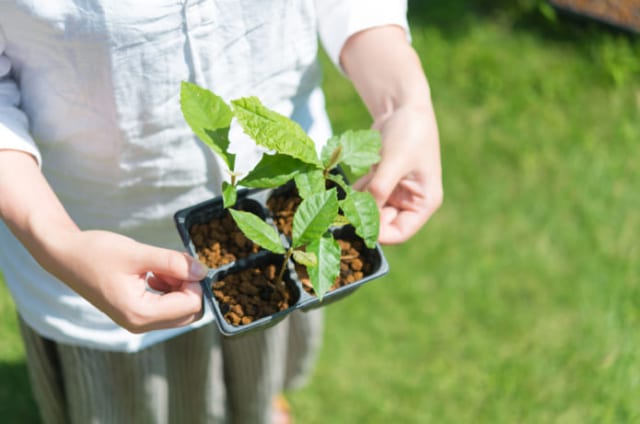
{"x": 91, "y": 90}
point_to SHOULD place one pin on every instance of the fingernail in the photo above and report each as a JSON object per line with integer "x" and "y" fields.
{"x": 197, "y": 270}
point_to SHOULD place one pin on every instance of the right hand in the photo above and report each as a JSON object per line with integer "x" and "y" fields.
{"x": 110, "y": 271}
{"x": 107, "y": 269}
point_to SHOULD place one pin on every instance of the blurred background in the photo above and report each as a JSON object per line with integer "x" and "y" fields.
{"x": 519, "y": 301}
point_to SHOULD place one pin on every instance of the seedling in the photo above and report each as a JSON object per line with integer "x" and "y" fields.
{"x": 292, "y": 155}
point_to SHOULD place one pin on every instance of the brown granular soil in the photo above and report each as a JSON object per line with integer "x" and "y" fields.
{"x": 251, "y": 294}
{"x": 625, "y": 13}
{"x": 220, "y": 241}
{"x": 353, "y": 266}
{"x": 283, "y": 206}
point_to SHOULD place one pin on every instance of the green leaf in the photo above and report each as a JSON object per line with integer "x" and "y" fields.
{"x": 313, "y": 216}
{"x": 258, "y": 231}
{"x": 309, "y": 182}
{"x": 340, "y": 221}
{"x": 334, "y": 159}
{"x": 339, "y": 180}
{"x": 273, "y": 171}
{"x": 361, "y": 210}
{"x": 360, "y": 150}
{"x": 305, "y": 258}
{"x": 209, "y": 118}
{"x": 229, "y": 194}
{"x": 323, "y": 275}
{"x": 274, "y": 131}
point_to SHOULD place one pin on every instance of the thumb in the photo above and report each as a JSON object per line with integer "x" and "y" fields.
{"x": 172, "y": 264}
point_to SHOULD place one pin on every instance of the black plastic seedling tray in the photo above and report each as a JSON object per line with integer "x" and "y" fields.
{"x": 254, "y": 201}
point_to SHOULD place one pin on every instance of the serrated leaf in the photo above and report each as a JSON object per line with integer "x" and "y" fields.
{"x": 305, "y": 258}
{"x": 324, "y": 274}
{"x": 273, "y": 171}
{"x": 313, "y": 216}
{"x": 361, "y": 210}
{"x": 309, "y": 182}
{"x": 209, "y": 118}
{"x": 334, "y": 159}
{"x": 274, "y": 131}
{"x": 328, "y": 150}
{"x": 229, "y": 194}
{"x": 258, "y": 231}
{"x": 360, "y": 150}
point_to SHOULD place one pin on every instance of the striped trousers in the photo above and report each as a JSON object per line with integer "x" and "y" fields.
{"x": 197, "y": 377}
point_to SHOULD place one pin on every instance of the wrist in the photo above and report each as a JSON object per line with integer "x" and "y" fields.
{"x": 421, "y": 112}
{"x": 386, "y": 71}
{"x": 29, "y": 206}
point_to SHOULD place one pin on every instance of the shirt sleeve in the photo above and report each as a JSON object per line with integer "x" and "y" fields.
{"x": 14, "y": 125}
{"x": 340, "y": 19}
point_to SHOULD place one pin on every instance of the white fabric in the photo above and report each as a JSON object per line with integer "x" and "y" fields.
{"x": 91, "y": 90}
{"x": 351, "y": 16}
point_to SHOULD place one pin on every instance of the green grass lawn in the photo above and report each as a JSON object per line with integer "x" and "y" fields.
{"x": 519, "y": 301}
{"x": 16, "y": 403}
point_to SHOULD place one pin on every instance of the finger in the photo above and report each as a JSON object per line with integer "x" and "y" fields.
{"x": 171, "y": 264}
{"x": 158, "y": 284}
{"x": 398, "y": 226}
{"x": 173, "y": 309}
{"x": 405, "y": 215}
{"x": 163, "y": 283}
{"x": 169, "y": 282}
{"x": 386, "y": 176}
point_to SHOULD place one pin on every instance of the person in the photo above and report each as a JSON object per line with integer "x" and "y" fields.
{"x": 95, "y": 158}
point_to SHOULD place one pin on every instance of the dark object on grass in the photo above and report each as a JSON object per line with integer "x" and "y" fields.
{"x": 621, "y": 14}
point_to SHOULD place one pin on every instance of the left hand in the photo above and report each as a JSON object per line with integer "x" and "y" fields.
{"x": 407, "y": 182}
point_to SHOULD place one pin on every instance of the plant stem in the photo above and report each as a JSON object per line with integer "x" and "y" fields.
{"x": 279, "y": 281}
{"x": 325, "y": 174}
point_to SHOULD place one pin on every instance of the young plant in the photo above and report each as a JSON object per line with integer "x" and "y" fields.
{"x": 210, "y": 119}
{"x": 292, "y": 155}
{"x": 311, "y": 243}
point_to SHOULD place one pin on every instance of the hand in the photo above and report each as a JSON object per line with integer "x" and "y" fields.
{"x": 110, "y": 271}
{"x": 407, "y": 182}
